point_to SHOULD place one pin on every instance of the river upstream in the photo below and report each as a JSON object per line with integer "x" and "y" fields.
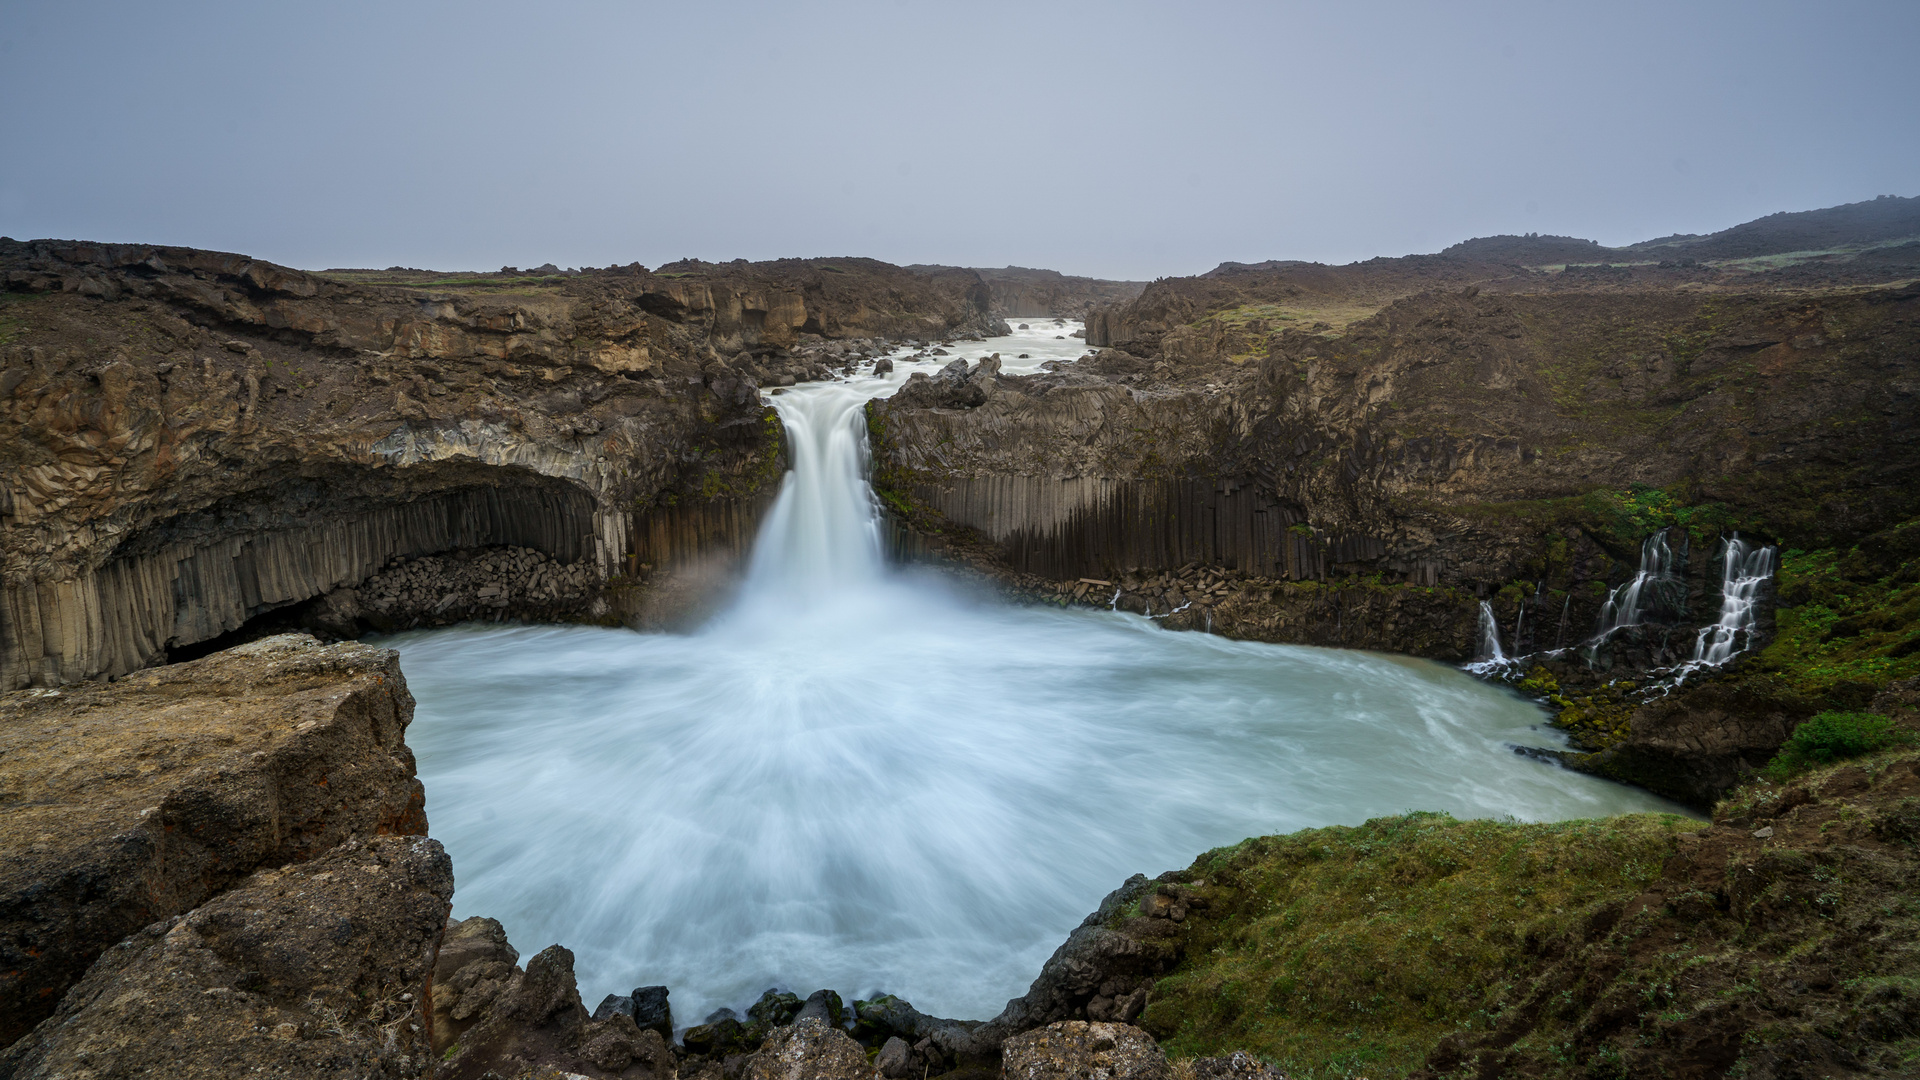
{"x": 858, "y": 778}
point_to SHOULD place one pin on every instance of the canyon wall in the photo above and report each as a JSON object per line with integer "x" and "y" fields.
{"x": 1503, "y": 447}
{"x": 1449, "y": 438}
{"x": 1018, "y": 292}
{"x": 193, "y": 440}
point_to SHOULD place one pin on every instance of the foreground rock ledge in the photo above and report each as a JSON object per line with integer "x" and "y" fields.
{"x": 130, "y": 802}
{"x": 311, "y": 970}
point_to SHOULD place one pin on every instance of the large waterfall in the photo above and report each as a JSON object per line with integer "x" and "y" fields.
{"x": 860, "y": 778}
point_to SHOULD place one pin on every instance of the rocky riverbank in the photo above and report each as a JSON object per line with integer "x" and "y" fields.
{"x": 242, "y": 884}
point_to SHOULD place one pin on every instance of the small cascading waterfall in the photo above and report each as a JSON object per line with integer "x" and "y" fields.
{"x": 1652, "y": 586}
{"x": 1744, "y": 568}
{"x": 1658, "y": 586}
{"x": 1490, "y": 651}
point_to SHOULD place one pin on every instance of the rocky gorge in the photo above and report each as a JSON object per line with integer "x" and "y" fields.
{"x": 204, "y": 449}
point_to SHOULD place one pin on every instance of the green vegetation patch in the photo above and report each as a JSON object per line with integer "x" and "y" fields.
{"x": 1621, "y": 518}
{"x": 1827, "y": 737}
{"x": 1848, "y": 619}
{"x": 1342, "y": 950}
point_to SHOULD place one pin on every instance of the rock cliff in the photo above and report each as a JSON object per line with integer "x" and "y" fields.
{"x": 193, "y": 440}
{"x": 139, "y": 801}
{"x": 1018, "y": 292}
{"x": 1365, "y": 455}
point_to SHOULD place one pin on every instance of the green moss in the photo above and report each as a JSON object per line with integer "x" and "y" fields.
{"x": 1342, "y": 948}
{"x": 1619, "y": 518}
{"x": 1848, "y": 620}
{"x": 1596, "y": 720}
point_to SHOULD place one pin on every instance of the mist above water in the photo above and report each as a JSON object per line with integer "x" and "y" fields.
{"x": 859, "y": 778}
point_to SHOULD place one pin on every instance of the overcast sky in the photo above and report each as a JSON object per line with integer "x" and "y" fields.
{"x": 1120, "y": 140}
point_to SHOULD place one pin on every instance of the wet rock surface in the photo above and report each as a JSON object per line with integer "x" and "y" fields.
{"x": 138, "y": 800}
{"x": 493, "y": 583}
{"x": 315, "y": 970}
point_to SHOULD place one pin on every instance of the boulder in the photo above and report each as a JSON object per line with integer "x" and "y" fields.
{"x": 651, "y": 1011}
{"x": 509, "y": 1022}
{"x": 809, "y": 1050}
{"x": 895, "y": 1058}
{"x": 612, "y": 1004}
{"x": 952, "y": 387}
{"x": 775, "y": 1008}
{"x": 1077, "y": 1050}
{"x": 315, "y": 970}
{"x": 140, "y": 799}
{"x": 476, "y": 963}
{"x": 535, "y": 1018}
{"x": 824, "y": 1006}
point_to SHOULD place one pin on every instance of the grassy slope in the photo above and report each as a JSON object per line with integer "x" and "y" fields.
{"x": 1629, "y": 946}
{"x": 1343, "y": 949}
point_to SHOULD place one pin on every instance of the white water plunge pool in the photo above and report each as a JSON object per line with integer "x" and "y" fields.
{"x": 859, "y": 779}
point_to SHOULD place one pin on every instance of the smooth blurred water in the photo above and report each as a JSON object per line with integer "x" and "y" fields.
{"x": 857, "y": 778}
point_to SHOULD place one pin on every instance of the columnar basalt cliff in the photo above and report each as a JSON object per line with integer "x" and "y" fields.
{"x": 1364, "y": 455}
{"x": 193, "y": 440}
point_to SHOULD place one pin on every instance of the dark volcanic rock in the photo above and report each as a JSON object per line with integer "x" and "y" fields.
{"x": 316, "y": 970}
{"x": 198, "y": 440}
{"x": 140, "y": 799}
{"x": 651, "y": 1010}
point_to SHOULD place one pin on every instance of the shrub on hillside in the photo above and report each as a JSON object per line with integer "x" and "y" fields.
{"x": 1831, "y": 736}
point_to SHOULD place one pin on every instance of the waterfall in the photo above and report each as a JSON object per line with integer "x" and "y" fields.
{"x": 1743, "y": 569}
{"x": 1658, "y": 586}
{"x": 1490, "y": 651}
{"x": 823, "y": 534}
{"x": 873, "y": 779}
{"x": 1652, "y": 586}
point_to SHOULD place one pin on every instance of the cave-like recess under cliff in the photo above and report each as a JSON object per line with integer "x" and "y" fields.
{"x": 194, "y": 576}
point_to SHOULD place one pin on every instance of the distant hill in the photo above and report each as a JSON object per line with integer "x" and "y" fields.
{"x": 1854, "y": 225}
{"x": 1529, "y": 250}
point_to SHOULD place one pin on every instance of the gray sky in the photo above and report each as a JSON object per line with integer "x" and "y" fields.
{"x": 1120, "y": 140}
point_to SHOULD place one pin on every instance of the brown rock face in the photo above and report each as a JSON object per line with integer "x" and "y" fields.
{"x": 491, "y": 1018}
{"x": 1077, "y": 1050}
{"x": 191, "y": 441}
{"x": 316, "y": 970}
{"x": 138, "y": 800}
{"x": 1019, "y": 292}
